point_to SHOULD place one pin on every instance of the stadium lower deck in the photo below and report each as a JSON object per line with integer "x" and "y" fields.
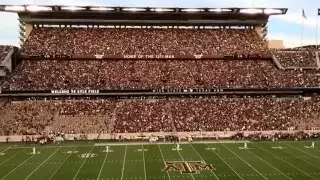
{"x": 194, "y": 161}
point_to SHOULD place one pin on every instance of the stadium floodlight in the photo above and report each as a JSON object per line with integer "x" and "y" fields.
{"x": 219, "y": 10}
{"x": 163, "y": 10}
{"x": 38, "y": 8}
{"x": 14, "y": 8}
{"x": 273, "y": 11}
{"x": 134, "y": 9}
{"x": 102, "y": 9}
{"x": 251, "y": 11}
{"x": 72, "y": 8}
{"x": 191, "y": 10}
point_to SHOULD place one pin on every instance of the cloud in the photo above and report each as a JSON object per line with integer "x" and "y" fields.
{"x": 296, "y": 18}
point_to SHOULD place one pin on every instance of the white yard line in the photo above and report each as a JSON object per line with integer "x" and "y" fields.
{"x": 245, "y": 162}
{"x": 124, "y": 162}
{"x": 316, "y": 149}
{"x": 144, "y": 164}
{"x": 104, "y": 161}
{"x": 61, "y": 164}
{"x": 10, "y": 157}
{"x": 270, "y": 165}
{"x": 204, "y": 161}
{"x": 226, "y": 163}
{"x": 287, "y": 163}
{"x": 164, "y": 161}
{"x": 303, "y": 151}
{"x": 5, "y": 150}
{"x": 302, "y": 158}
{"x": 82, "y": 165}
{"x": 42, "y": 163}
{"x": 183, "y": 160}
{"x": 18, "y": 166}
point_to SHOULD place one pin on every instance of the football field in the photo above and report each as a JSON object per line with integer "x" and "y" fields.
{"x": 196, "y": 161}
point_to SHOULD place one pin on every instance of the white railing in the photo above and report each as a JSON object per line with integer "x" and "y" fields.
{"x": 182, "y": 135}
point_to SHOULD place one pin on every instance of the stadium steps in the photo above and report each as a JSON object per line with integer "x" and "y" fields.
{"x": 317, "y": 59}
{"x": 7, "y": 59}
{"x": 113, "y": 118}
{"x": 168, "y": 109}
{"x": 3, "y": 102}
{"x": 277, "y": 63}
{"x": 57, "y": 113}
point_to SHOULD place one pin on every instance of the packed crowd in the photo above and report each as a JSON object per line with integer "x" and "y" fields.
{"x": 300, "y": 135}
{"x": 80, "y": 116}
{"x": 142, "y": 116}
{"x": 252, "y": 114}
{"x": 122, "y": 74}
{"x": 85, "y": 116}
{"x": 159, "y": 115}
{"x": 142, "y": 74}
{"x": 4, "y": 50}
{"x": 27, "y": 117}
{"x": 129, "y": 41}
{"x": 296, "y": 57}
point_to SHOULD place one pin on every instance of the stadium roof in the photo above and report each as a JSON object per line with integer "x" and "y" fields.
{"x": 93, "y": 15}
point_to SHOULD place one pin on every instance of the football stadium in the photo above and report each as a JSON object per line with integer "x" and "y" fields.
{"x": 150, "y": 93}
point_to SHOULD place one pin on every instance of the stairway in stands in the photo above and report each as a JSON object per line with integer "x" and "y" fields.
{"x": 169, "y": 112}
{"x": 112, "y": 120}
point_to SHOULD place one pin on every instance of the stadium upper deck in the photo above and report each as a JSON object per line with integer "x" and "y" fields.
{"x": 127, "y": 41}
{"x": 170, "y": 34}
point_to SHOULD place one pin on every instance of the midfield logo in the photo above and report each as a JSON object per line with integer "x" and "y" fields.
{"x": 88, "y": 155}
{"x": 187, "y": 167}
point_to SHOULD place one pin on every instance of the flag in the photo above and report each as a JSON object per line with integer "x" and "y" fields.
{"x": 304, "y": 14}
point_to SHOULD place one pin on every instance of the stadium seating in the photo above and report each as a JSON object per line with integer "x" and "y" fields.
{"x": 27, "y": 117}
{"x": 130, "y": 41}
{"x": 296, "y": 57}
{"x": 54, "y": 74}
{"x": 120, "y": 74}
{"x": 142, "y": 116}
{"x": 159, "y": 115}
{"x": 252, "y": 114}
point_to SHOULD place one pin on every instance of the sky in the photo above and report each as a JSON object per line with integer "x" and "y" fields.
{"x": 287, "y": 27}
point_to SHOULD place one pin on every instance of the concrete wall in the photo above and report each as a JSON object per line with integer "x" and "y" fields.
{"x": 182, "y": 135}
{"x": 275, "y": 44}
{"x": 29, "y": 28}
{"x": 258, "y": 29}
{"x": 7, "y": 62}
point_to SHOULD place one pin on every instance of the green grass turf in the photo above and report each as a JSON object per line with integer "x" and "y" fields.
{"x": 141, "y": 162}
